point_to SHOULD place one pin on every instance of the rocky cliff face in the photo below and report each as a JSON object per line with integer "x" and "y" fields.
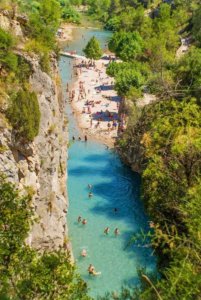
{"x": 40, "y": 167}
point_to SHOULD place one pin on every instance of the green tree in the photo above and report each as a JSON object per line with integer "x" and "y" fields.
{"x": 93, "y": 49}
{"x": 24, "y": 114}
{"x": 188, "y": 73}
{"x": 44, "y": 21}
{"x": 8, "y": 59}
{"x": 127, "y": 45}
{"x": 197, "y": 26}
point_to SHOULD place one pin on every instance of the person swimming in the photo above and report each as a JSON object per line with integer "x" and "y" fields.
{"x": 90, "y": 194}
{"x": 107, "y": 229}
{"x": 116, "y": 231}
{"x": 84, "y": 253}
{"x": 79, "y": 219}
{"x": 84, "y": 221}
{"x": 89, "y": 186}
{"x": 92, "y": 270}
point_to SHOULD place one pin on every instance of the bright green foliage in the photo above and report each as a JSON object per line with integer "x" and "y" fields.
{"x": 44, "y": 23}
{"x": 24, "y": 274}
{"x": 68, "y": 13}
{"x": 23, "y": 71}
{"x": 7, "y": 59}
{"x": 130, "y": 78}
{"x": 127, "y": 46}
{"x": 169, "y": 134}
{"x": 24, "y": 114}
{"x": 197, "y": 26}
{"x": 189, "y": 72}
{"x": 15, "y": 220}
{"x": 99, "y": 9}
{"x": 93, "y": 49}
{"x": 126, "y": 80}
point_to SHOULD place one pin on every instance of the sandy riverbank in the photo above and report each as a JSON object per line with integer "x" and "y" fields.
{"x": 66, "y": 32}
{"x": 98, "y": 118}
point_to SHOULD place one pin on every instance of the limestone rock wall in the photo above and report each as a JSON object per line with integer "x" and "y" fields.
{"x": 51, "y": 153}
{"x": 40, "y": 167}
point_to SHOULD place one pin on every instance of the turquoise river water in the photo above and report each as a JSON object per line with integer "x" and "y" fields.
{"x": 114, "y": 186}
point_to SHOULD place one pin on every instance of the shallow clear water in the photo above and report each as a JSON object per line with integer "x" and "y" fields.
{"x": 114, "y": 186}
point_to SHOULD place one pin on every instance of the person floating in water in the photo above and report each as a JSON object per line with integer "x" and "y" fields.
{"x": 92, "y": 271}
{"x": 90, "y": 194}
{"x": 84, "y": 253}
{"x": 84, "y": 221}
{"x": 107, "y": 229}
{"x": 116, "y": 232}
{"x": 79, "y": 219}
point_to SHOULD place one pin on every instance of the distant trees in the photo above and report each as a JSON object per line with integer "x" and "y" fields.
{"x": 93, "y": 49}
{"x": 44, "y": 22}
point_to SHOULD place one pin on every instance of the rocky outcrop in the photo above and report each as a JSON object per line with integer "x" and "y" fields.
{"x": 10, "y": 24}
{"x": 50, "y": 168}
{"x": 39, "y": 168}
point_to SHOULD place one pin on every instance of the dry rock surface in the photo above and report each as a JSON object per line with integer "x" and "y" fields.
{"x": 40, "y": 167}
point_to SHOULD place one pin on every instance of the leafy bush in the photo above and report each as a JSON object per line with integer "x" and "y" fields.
{"x": 24, "y": 114}
{"x": 24, "y": 273}
{"x": 127, "y": 45}
{"x": 7, "y": 59}
{"x": 93, "y": 49}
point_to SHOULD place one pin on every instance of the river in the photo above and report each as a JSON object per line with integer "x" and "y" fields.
{"x": 114, "y": 186}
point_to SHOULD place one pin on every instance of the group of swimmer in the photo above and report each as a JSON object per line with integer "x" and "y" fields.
{"x": 91, "y": 268}
{"x": 79, "y": 138}
{"x": 116, "y": 231}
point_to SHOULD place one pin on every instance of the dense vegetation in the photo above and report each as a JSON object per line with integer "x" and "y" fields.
{"x": 24, "y": 273}
{"x": 168, "y": 132}
{"x": 21, "y": 116}
{"x": 93, "y": 50}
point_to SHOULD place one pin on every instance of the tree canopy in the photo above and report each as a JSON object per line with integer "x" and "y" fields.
{"x": 93, "y": 49}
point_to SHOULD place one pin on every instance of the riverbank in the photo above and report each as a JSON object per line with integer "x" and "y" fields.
{"x": 95, "y": 102}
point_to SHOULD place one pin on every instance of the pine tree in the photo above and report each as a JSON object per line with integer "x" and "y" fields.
{"x": 93, "y": 49}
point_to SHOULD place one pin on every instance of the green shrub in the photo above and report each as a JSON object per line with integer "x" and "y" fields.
{"x": 7, "y": 59}
{"x": 24, "y": 273}
{"x": 24, "y": 114}
{"x": 34, "y": 46}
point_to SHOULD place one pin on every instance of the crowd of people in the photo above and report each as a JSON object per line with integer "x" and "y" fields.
{"x": 92, "y": 94}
